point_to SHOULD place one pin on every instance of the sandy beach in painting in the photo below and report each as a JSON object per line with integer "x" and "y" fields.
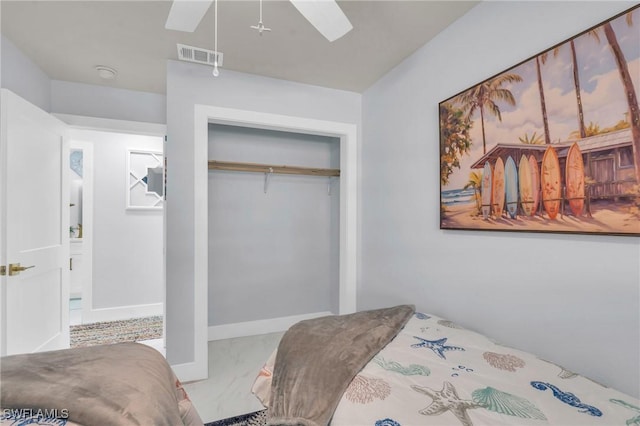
{"x": 605, "y": 217}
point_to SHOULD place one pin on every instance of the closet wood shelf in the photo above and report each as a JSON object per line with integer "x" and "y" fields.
{"x": 267, "y": 168}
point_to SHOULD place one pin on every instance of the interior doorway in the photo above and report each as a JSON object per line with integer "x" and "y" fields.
{"x": 204, "y": 115}
{"x": 116, "y": 231}
{"x": 80, "y": 226}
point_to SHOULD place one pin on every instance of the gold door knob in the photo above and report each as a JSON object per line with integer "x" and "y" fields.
{"x": 15, "y": 268}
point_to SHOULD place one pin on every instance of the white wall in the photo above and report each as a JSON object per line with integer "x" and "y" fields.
{"x": 23, "y": 77}
{"x": 127, "y": 244}
{"x": 572, "y": 299}
{"x": 107, "y": 102}
{"x": 270, "y": 255}
{"x": 187, "y": 85}
{"x": 128, "y": 250}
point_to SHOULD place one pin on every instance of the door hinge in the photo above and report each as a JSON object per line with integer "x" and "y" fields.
{"x": 3, "y": 270}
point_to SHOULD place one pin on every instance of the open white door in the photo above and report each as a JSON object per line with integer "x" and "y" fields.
{"x": 33, "y": 196}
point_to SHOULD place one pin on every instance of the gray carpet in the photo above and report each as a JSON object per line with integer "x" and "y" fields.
{"x": 258, "y": 418}
{"x": 101, "y": 333}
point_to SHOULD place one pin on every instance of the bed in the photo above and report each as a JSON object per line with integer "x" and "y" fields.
{"x": 426, "y": 371}
{"x": 118, "y": 384}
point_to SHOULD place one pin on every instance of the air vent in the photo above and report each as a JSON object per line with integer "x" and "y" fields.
{"x": 199, "y": 55}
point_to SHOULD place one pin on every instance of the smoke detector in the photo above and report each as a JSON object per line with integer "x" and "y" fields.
{"x": 199, "y": 55}
{"x": 106, "y": 73}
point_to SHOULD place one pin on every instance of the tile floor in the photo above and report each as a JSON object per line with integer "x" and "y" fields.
{"x": 233, "y": 366}
{"x": 75, "y": 311}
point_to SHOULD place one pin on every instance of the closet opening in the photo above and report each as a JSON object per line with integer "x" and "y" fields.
{"x": 344, "y": 145}
{"x": 274, "y": 225}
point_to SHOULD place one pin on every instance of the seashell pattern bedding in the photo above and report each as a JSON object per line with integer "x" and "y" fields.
{"x": 437, "y": 373}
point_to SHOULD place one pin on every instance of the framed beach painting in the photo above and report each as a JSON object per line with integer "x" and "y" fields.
{"x": 551, "y": 144}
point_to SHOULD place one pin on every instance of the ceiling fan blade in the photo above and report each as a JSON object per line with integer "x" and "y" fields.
{"x": 185, "y": 15}
{"x": 326, "y": 16}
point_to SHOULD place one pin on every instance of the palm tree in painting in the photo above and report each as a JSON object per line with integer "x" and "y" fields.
{"x": 475, "y": 182}
{"x": 454, "y": 139}
{"x": 591, "y": 130}
{"x": 534, "y": 139}
{"x": 543, "y": 106}
{"x": 542, "y": 59}
{"x": 630, "y": 93}
{"x": 622, "y": 124}
{"x": 576, "y": 83}
{"x": 627, "y": 83}
{"x": 484, "y": 97}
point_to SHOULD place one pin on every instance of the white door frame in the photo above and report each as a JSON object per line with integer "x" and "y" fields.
{"x": 117, "y": 126}
{"x": 346, "y": 132}
{"x": 87, "y": 222}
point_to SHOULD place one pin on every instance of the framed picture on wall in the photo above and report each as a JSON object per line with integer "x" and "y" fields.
{"x": 551, "y": 144}
{"x": 145, "y": 180}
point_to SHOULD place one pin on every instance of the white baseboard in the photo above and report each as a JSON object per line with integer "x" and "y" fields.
{"x": 121, "y": 313}
{"x": 253, "y": 328}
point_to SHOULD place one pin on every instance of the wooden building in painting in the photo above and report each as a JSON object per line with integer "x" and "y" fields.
{"x": 608, "y": 161}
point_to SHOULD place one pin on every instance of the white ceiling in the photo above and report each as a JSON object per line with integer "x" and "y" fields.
{"x": 67, "y": 39}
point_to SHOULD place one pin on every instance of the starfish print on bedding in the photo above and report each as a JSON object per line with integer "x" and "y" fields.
{"x": 447, "y": 400}
{"x": 437, "y": 346}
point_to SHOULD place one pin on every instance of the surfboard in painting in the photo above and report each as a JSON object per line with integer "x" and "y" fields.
{"x": 525, "y": 183}
{"x": 574, "y": 179}
{"x": 497, "y": 198}
{"x": 535, "y": 182}
{"x": 486, "y": 190}
{"x": 550, "y": 180}
{"x": 511, "y": 187}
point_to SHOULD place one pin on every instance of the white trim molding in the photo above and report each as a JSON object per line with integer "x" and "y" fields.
{"x": 122, "y": 313}
{"x": 346, "y": 132}
{"x": 111, "y": 125}
{"x": 254, "y": 328}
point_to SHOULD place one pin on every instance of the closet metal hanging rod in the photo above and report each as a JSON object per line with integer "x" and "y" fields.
{"x": 267, "y": 168}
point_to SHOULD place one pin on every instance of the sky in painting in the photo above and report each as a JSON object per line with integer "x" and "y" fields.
{"x": 602, "y": 93}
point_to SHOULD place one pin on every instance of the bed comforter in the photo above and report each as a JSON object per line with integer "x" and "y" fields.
{"x": 119, "y": 384}
{"x": 436, "y": 373}
{"x": 317, "y": 359}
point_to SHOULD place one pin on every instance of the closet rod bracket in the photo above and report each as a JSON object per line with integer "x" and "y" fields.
{"x": 267, "y": 175}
